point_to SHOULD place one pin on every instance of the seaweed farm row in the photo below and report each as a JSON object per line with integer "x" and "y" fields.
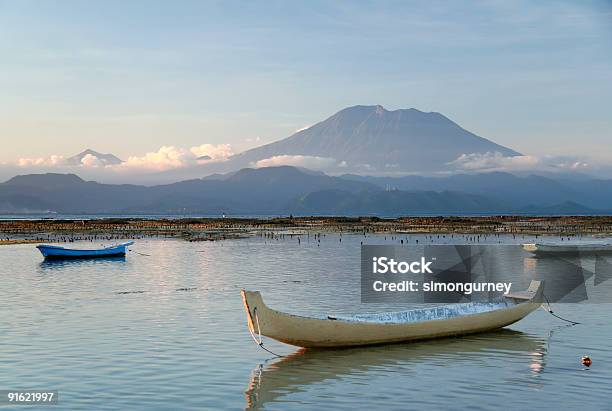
{"x": 202, "y": 229}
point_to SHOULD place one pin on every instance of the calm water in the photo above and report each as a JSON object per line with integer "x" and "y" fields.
{"x": 168, "y": 331}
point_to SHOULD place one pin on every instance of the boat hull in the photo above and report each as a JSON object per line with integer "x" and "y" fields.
{"x": 540, "y": 248}
{"x": 61, "y": 253}
{"x": 311, "y": 332}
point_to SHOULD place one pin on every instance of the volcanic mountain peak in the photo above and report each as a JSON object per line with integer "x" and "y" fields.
{"x": 105, "y": 159}
{"x": 373, "y": 139}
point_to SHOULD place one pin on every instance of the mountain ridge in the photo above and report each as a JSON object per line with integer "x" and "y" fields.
{"x": 290, "y": 190}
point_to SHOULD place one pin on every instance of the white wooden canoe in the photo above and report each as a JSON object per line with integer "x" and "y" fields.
{"x": 368, "y": 329}
{"x": 568, "y": 247}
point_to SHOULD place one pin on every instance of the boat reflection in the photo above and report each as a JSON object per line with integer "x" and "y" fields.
{"x": 295, "y": 372}
{"x": 59, "y": 264}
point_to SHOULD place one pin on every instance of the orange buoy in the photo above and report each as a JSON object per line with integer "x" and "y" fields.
{"x": 586, "y": 360}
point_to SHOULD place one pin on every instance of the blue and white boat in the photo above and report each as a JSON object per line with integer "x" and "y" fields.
{"x": 59, "y": 252}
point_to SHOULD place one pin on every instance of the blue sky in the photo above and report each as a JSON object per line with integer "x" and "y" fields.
{"x": 130, "y": 77}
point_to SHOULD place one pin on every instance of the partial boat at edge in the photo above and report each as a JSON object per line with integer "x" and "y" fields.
{"x": 568, "y": 247}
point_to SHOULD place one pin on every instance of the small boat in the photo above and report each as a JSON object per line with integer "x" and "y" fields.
{"x": 568, "y": 247}
{"x": 384, "y": 328}
{"x": 59, "y": 252}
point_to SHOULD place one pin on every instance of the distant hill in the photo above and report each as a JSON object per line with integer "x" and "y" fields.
{"x": 285, "y": 190}
{"x": 67, "y": 193}
{"x": 565, "y": 208}
{"x": 104, "y": 159}
{"x": 516, "y": 192}
{"x": 394, "y": 203}
{"x": 248, "y": 191}
{"x": 45, "y": 181}
{"x": 373, "y": 139}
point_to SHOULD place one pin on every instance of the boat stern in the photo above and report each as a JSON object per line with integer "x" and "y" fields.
{"x": 533, "y": 294}
{"x": 530, "y": 247}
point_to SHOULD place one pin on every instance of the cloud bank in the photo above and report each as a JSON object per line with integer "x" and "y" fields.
{"x": 166, "y": 158}
{"x": 51, "y": 161}
{"x": 313, "y": 162}
{"x": 487, "y": 162}
{"x": 172, "y": 163}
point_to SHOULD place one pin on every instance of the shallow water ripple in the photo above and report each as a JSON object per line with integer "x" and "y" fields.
{"x": 167, "y": 331}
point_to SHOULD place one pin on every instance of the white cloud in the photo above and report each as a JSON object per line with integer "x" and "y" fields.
{"x": 171, "y": 157}
{"x": 166, "y": 158}
{"x": 312, "y": 162}
{"x": 301, "y": 129}
{"x": 50, "y": 161}
{"x": 215, "y": 152}
{"x": 495, "y": 161}
{"x": 89, "y": 160}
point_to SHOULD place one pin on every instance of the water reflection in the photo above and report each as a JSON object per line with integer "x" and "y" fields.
{"x": 297, "y": 371}
{"x": 568, "y": 276}
{"x": 58, "y": 264}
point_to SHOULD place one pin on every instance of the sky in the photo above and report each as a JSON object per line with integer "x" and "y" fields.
{"x": 217, "y": 77}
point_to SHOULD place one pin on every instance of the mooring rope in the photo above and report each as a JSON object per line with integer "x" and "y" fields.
{"x": 260, "y": 341}
{"x": 146, "y": 255}
{"x": 550, "y": 311}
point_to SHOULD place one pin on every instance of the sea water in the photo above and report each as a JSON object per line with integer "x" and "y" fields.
{"x": 165, "y": 329}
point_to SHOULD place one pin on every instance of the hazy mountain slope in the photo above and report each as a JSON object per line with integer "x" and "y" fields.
{"x": 394, "y": 203}
{"x": 564, "y": 208}
{"x": 372, "y": 138}
{"x": 594, "y": 193}
{"x": 515, "y": 191}
{"x": 253, "y": 191}
{"x": 104, "y": 159}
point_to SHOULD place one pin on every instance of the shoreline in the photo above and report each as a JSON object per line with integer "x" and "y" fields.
{"x": 212, "y": 229}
